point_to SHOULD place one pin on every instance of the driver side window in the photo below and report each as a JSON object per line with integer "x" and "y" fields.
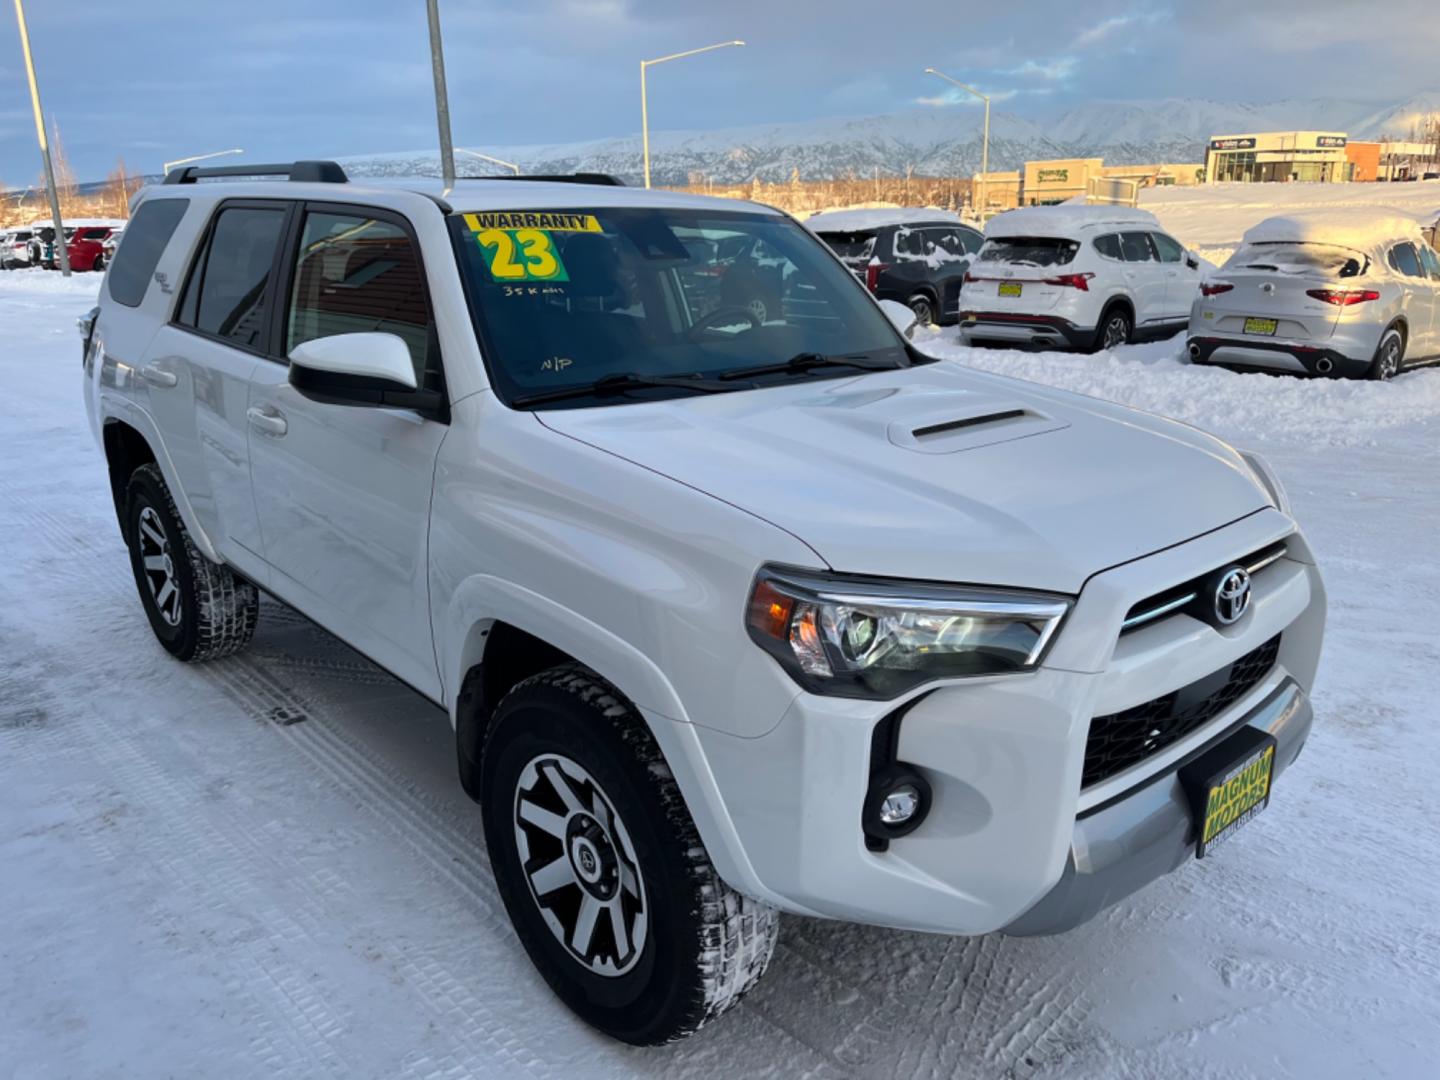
{"x": 357, "y": 274}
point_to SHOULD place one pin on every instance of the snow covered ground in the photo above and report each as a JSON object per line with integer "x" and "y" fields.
{"x": 264, "y": 867}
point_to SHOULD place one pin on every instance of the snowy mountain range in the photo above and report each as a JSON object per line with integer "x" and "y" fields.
{"x": 933, "y": 142}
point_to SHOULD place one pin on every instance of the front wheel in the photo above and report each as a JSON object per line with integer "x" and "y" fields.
{"x": 98, "y": 265}
{"x": 1389, "y": 355}
{"x": 602, "y": 870}
{"x": 199, "y": 610}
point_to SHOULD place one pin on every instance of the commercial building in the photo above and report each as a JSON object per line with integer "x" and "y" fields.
{"x": 1408, "y": 160}
{"x": 1055, "y": 181}
{"x": 1277, "y": 157}
{"x": 1363, "y": 159}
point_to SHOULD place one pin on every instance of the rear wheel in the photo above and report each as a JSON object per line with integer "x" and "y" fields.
{"x": 1115, "y": 329}
{"x": 602, "y": 870}
{"x": 198, "y": 609}
{"x": 1389, "y": 355}
{"x": 923, "y": 307}
{"x": 98, "y": 265}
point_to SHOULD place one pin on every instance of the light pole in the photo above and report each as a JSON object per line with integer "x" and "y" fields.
{"x": 62, "y": 249}
{"x": 985, "y": 146}
{"x": 493, "y": 160}
{"x": 198, "y": 157}
{"x": 644, "y": 105}
{"x": 442, "y": 95}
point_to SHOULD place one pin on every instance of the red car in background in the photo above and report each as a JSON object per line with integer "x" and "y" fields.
{"x": 87, "y": 247}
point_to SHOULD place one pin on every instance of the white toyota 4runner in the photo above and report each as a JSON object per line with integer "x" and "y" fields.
{"x": 732, "y": 614}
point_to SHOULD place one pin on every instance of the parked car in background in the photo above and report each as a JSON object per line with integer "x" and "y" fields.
{"x": 15, "y": 249}
{"x": 87, "y": 247}
{"x": 110, "y": 245}
{"x": 918, "y": 257}
{"x": 1080, "y": 277}
{"x": 1325, "y": 292}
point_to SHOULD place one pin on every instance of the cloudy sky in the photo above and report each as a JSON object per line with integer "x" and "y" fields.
{"x": 155, "y": 79}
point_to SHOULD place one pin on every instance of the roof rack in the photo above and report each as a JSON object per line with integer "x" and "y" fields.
{"x": 604, "y": 179}
{"x": 308, "y": 172}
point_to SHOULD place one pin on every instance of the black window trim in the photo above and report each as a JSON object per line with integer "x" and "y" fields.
{"x": 425, "y": 401}
{"x": 200, "y": 256}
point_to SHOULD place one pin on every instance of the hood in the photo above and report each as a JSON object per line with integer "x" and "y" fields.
{"x": 939, "y": 472}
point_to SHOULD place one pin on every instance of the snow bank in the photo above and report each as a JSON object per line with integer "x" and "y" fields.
{"x": 1252, "y": 409}
{"x": 1065, "y": 220}
{"x": 862, "y": 219}
{"x": 48, "y": 284}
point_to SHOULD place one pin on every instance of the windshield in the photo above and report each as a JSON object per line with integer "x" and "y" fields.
{"x": 564, "y": 299}
{"x": 1028, "y": 251}
{"x": 1311, "y": 260}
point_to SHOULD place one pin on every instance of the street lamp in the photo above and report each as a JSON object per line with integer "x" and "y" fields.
{"x": 198, "y": 157}
{"x": 985, "y": 147}
{"x": 644, "y": 105}
{"x": 62, "y": 252}
{"x": 493, "y": 160}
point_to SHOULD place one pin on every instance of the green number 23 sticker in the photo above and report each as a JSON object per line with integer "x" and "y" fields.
{"x": 521, "y": 255}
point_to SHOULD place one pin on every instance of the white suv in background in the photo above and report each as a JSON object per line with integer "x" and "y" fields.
{"x": 1323, "y": 292}
{"x": 731, "y": 615}
{"x": 1080, "y": 277}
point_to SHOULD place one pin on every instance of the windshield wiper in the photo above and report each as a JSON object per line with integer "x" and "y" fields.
{"x": 808, "y": 361}
{"x": 619, "y": 384}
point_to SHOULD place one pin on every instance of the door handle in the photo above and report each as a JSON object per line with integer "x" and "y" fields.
{"x": 158, "y": 376}
{"x": 266, "y": 420}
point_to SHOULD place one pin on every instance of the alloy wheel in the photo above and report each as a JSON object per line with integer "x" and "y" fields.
{"x": 580, "y": 865}
{"x": 1390, "y": 357}
{"x": 159, "y": 566}
{"x": 1116, "y": 331}
{"x": 924, "y": 313}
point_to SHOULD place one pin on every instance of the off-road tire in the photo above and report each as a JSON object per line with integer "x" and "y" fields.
{"x": 705, "y": 943}
{"x": 217, "y": 609}
{"x": 1389, "y": 356}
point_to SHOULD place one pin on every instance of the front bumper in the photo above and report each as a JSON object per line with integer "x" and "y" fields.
{"x": 1019, "y": 331}
{"x": 1121, "y": 847}
{"x": 1012, "y": 841}
{"x": 1283, "y": 356}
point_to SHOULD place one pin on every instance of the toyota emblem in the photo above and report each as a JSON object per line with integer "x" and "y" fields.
{"x": 1232, "y": 596}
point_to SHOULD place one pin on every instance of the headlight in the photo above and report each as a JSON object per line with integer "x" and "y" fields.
{"x": 1268, "y": 479}
{"x": 872, "y": 638}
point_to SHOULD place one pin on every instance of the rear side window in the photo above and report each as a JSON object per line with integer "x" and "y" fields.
{"x": 356, "y": 274}
{"x": 1028, "y": 251}
{"x": 1170, "y": 250}
{"x": 1135, "y": 247}
{"x": 1404, "y": 258}
{"x": 94, "y": 234}
{"x": 147, "y": 235}
{"x": 1108, "y": 245}
{"x": 227, "y": 292}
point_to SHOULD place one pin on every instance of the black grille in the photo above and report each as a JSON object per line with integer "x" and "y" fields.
{"x": 1122, "y": 739}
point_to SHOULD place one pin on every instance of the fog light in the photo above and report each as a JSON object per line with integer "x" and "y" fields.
{"x": 895, "y": 805}
{"x": 899, "y": 805}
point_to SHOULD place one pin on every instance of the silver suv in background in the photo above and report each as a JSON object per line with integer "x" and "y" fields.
{"x": 1327, "y": 292}
{"x": 1079, "y": 277}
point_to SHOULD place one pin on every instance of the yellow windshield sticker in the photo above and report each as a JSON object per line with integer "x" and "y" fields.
{"x": 520, "y": 255}
{"x": 550, "y": 221}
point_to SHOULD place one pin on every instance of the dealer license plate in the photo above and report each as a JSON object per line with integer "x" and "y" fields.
{"x": 1009, "y": 288}
{"x": 1260, "y": 326}
{"x": 1229, "y": 786}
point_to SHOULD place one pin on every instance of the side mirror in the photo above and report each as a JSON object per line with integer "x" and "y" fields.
{"x": 1192, "y": 260}
{"x": 901, "y": 316}
{"x": 361, "y": 369}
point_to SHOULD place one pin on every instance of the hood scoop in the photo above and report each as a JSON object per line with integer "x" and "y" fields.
{"x": 978, "y": 423}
